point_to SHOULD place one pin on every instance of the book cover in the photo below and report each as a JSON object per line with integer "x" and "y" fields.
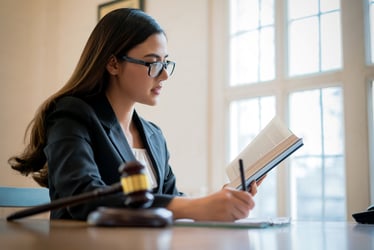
{"x": 271, "y": 146}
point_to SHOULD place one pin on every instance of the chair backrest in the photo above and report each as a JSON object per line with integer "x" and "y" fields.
{"x": 23, "y": 196}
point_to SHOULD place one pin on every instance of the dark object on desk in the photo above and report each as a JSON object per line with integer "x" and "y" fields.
{"x": 365, "y": 217}
{"x": 120, "y": 217}
{"x": 134, "y": 184}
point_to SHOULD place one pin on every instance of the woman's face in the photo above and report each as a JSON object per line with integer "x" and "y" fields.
{"x": 130, "y": 82}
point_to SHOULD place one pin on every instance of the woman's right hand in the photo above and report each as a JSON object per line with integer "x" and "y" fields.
{"x": 228, "y": 204}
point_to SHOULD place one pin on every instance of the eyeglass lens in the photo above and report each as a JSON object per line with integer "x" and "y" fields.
{"x": 156, "y": 68}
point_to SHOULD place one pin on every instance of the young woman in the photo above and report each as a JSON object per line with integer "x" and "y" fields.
{"x": 84, "y": 132}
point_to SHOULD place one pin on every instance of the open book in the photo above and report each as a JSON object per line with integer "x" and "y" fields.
{"x": 271, "y": 146}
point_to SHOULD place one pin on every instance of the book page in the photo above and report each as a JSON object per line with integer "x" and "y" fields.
{"x": 272, "y": 135}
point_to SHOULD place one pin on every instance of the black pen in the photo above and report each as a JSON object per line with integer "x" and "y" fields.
{"x": 242, "y": 174}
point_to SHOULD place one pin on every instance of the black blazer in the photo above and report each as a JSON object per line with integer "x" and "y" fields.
{"x": 85, "y": 146}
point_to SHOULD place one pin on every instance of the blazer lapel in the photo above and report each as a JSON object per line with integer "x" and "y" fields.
{"x": 107, "y": 117}
{"x": 119, "y": 141}
{"x": 151, "y": 145}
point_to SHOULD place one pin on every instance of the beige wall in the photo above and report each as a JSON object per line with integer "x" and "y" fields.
{"x": 41, "y": 42}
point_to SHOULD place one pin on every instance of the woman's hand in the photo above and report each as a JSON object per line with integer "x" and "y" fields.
{"x": 254, "y": 185}
{"x": 227, "y": 204}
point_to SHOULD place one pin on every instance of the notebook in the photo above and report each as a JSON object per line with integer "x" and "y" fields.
{"x": 242, "y": 223}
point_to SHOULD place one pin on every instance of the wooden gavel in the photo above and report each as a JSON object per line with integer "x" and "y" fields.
{"x": 134, "y": 184}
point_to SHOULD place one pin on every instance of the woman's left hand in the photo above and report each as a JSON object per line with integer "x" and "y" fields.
{"x": 254, "y": 185}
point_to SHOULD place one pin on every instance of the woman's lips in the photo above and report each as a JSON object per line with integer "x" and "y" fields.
{"x": 157, "y": 90}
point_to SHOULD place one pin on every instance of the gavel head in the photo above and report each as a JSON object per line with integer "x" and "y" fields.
{"x": 136, "y": 185}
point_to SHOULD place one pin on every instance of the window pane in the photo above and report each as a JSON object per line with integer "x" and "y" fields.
{"x": 302, "y": 8}
{"x": 267, "y": 54}
{"x": 332, "y": 116}
{"x": 247, "y": 118}
{"x": 329, "y": 5}
{"x": 330, "y": 42}
{"x": 244, "y": 59}
{"x": 309, "y": 126}
{"x": 320, "y": 163}
{"x": 304, "y": 46}
{"x": 244, "y": 15}
{"x": 267, "y": 12}
{"x": 252, "y": 43}
{"x": 306, "y": 188}
{"x": 372, "y": 30}
{"x": 334, "y": 188}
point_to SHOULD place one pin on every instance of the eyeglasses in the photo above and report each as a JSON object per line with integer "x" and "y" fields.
{"x": 154, "y": 68}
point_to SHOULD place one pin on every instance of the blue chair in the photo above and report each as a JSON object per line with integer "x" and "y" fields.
{"x": 23, "y": 196}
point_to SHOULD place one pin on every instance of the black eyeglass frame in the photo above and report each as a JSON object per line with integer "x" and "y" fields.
{"x": 149, "y": 65}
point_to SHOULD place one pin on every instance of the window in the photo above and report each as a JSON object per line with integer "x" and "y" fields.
{"x": 314, "y": 178}
{"x": 317, "y": 174}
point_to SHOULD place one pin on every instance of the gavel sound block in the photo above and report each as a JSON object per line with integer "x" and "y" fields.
{"x": 136, "y": 188}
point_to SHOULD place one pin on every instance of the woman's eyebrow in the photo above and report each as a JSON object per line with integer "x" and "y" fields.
{"x": 155, "y": 56}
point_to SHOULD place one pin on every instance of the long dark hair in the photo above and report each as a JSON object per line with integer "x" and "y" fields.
{"x": 115, "y": 34}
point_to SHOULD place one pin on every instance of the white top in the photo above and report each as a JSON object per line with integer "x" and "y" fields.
{"x": 142, "y": 156}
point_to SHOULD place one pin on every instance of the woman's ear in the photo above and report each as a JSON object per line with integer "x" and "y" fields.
{"x": 112, "y": 65}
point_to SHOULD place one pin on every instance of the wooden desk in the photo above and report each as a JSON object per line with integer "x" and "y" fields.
{"x": 71, "y": 235}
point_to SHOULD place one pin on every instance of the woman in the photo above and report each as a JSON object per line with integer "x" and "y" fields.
{"x": 84, "y": 132}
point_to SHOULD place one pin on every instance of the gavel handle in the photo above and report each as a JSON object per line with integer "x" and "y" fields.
{"x": 65, "y": 202}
